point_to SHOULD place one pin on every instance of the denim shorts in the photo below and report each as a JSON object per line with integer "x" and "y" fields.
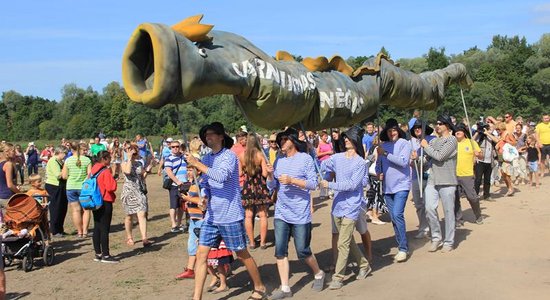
{"x": 175, "y": 198}
{"x": 533, "y": 166}
{"x": 72, "y": 195}
{"x": 233, "y": 235}
{"x": 193, "y": 241}
{"x": 301, "y": 233}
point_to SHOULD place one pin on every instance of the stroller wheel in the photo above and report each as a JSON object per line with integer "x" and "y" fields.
{"x": 28, "y": 262}
{"x": 48, "y": 255}
{"x": 8, "y": 260}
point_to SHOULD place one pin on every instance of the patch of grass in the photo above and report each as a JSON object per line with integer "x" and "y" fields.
{"x": 130, "y": 282}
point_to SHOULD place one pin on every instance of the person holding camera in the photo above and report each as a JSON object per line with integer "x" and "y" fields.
{"x": 134, "y": 195}
{"x": 484, "y": 165}
{"x": 175, "y": 167}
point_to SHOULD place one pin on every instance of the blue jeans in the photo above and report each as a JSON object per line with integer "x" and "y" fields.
{"x": 396, "y": 207}
{"x": 301, "y": 233}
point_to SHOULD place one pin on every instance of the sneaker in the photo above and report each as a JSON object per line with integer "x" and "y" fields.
{"x": 435, "y": 246}
{"x": 109, "y": 260}
{"x": 335, "y": 284}
{"x": 279, "y": 294}
{"x": 363, "y": 273}
{"x": 186, "y": 274}
{"x": 421, "y": 235}
{"x": 446, "y": 249}
{"x": 378, "y": 222}
{"x": 98, "y": 257}
{"x": 175, "y": 230}
{"x": 183, "y": 228}
{"x": 318, "y": 284}
{"x": 479, "y": 221}
{"x": 459, "y": 224}
{"x": 401, "y": 256}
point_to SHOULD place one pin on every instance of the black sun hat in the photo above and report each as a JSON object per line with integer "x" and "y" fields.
{"x": 355, "y": 135}
{"x": 421, "y": 124}
{"x": 218, "y": 128}
{"x": 293, "y": 135}
{"x": 391, "y": 124}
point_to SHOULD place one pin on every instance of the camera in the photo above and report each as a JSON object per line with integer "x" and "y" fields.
{"x": 184, "y": 188}
{"x": 481, "y": 126}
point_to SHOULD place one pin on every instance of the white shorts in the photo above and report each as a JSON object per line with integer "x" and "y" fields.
{"x": 360, "y": 224}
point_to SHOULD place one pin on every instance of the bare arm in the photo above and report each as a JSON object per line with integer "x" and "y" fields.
{"x": 8, "y": 169}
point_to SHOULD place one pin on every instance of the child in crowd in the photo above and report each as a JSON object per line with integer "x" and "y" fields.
{"x": 37, "y": 191}
{"x": 195, "y": 209}
{"x": 533, "y": 160}
{"x": 219, "y": 258}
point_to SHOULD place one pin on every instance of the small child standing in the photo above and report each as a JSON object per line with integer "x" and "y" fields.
{"x": 533, "y": 160}
{"x": 191, "y": 200}
{"x": 37, "y": 191}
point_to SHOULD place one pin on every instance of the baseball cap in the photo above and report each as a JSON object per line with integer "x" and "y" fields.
{"x": 169, "y": 140}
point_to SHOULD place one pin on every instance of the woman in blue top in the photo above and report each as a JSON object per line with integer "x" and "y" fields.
{"x": 293, "y": 176}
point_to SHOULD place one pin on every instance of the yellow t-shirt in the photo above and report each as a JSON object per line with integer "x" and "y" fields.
{"x": 465, "y": 157}
{"x": 544, "y": 133}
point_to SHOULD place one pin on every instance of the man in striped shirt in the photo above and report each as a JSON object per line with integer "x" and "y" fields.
{"x": 293, "y": 176}
{"x": 176, "y": 169}
{"x": 224, "y": 211}
{"x": 350, "y": 169}
{"x": 441, "y": 183}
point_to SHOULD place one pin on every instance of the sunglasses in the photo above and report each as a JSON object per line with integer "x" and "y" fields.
{"x": 173, "y": 147}
{"x": 507, "y": 117}
{"x": 438, "y": 123}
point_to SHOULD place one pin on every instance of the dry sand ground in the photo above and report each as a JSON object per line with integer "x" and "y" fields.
{"x": 505, "y": 258}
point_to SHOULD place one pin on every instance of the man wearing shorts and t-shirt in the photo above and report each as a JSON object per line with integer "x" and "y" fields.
{"x": 542, "y": 132}
{"x": 176, "y": 169}
{"x": 224, "y": 218}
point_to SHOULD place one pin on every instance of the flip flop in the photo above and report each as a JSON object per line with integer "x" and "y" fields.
{"x": 263, "y": 295}
{"x": 146, "y": 243}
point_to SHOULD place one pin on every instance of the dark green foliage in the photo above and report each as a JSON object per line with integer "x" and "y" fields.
{"x": 510, "y": 76}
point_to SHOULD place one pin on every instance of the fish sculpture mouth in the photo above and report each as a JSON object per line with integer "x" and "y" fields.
{"x": 149, "y": 72}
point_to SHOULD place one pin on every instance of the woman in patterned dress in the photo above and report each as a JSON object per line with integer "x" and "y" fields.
{"x": 255, "y": 195}
{"x": 134, "y": 195}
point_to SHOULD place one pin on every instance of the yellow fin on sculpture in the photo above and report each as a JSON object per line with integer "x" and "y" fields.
{"x": 319, "y": 64}
{"x": 192, "y": 29}
{"x": 284, "y": 56}
{"x": 339, "y": 64}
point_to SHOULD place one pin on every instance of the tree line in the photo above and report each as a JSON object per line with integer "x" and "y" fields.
{"x": 510, "y": 75}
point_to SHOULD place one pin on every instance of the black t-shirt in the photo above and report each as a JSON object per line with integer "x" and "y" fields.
{"x": 532, "y": 154}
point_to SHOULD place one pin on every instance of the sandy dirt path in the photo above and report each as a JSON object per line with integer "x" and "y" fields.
{"x": 505, "y": 258}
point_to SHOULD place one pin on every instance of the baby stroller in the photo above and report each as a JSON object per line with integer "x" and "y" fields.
{"x": 27, "y": 232}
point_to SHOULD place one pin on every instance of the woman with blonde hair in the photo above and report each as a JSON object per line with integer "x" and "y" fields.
{"x": 195, "y": 148}
{"x": 75, "y": 171}
{"x": 255, "y": 195}
{"x": 7, "y": 173}
{"x": 506, "y": 168}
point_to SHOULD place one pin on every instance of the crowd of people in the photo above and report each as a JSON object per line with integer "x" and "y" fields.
{"x": 218, "y": 186}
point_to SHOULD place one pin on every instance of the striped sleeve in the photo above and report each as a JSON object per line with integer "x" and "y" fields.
{"x": 311, "y": 175}
{"x": 354, "y": 182}
{"x": 327, "y": 167}
{"x": 223, "y": 170}
{"x": 447, "y": 148}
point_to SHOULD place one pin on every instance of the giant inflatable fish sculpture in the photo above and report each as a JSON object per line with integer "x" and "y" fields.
{"x": 189, "y": 61}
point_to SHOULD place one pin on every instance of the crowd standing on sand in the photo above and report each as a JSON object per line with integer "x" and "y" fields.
{"x": 217, "y": 186}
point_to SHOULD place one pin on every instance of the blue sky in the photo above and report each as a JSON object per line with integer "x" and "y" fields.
{"x": 47, "y": 44}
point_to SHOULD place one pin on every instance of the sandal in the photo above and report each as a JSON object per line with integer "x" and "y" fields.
{"x": 130, "y": 242}
{"x": 263, "y": 295}
{"x": 146, "y": 243}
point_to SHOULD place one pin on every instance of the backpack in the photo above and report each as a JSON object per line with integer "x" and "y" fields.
{"x": 90, "y": 195}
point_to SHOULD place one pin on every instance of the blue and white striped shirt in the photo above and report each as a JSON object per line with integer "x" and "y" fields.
{"x": 396, "y": 166}
{"x": 293, "y": 203}
{"x": 351, "y": 173}
{"x": 221, "y": 185}
{"x": 178, "y": 166}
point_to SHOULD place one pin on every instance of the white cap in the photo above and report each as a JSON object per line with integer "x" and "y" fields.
{"x": 31, "y": 143}
{"x": 169, "y": 140}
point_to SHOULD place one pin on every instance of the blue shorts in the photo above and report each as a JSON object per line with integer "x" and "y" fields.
{"x": 73, "y": 195}
{"x": 233, "y": 235}
{"x": 301, "y": 233}
{"x": 193, "y": 241}
{"x": 533, "y": 166}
